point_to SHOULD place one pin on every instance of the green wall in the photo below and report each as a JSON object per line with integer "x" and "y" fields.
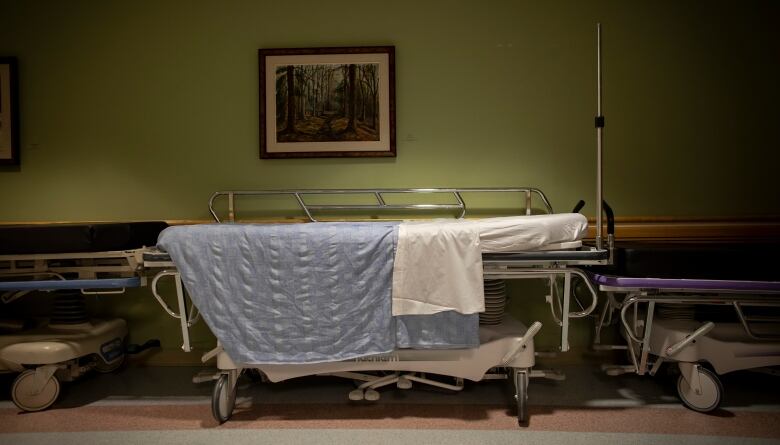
{"x": 140, "y": 109}
{"x": 135, "y": 110}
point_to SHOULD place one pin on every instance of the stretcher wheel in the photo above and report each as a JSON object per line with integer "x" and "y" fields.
{"x": 711, "y": 391}
{"x": 223, "y": 400}
{"x": 521, "y": 396}
{"x": 24, "y": 395}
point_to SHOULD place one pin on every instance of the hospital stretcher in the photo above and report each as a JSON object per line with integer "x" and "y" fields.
{"x": 706, "y": 325}
{"x": 505, "y": 346}
{"x": 505, "y": 350}
{"x": 70, "y": 260}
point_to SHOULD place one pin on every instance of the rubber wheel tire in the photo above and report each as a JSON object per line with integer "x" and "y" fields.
{"x": 22, "y": 396}
{"x": 521, "y": 395}
{"x": 709, "y": 399}
{"x": 223, "y": 400}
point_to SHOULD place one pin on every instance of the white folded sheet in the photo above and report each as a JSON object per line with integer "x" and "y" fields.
{"x": 438, "y": 263}
{"x": 437, "y": 267}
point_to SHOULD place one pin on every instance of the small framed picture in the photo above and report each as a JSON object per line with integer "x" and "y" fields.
{"x": 327, "y": 102}
{"x": 9, "y": 112}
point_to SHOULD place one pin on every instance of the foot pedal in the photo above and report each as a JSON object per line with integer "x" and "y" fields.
{"x": 356, "y": 394}
{"x": 768, "y": 371}
{"x": 137, "y": 349}
{"x": 205, "y": 376}
{"x": 546, "y": 354}
{"x": 610, "y": 347}
{"x": 404, "y": 383}
{"x": 615, "y": 370}
{"x": 371, "y": 395}
{"x": 550, "y": 374}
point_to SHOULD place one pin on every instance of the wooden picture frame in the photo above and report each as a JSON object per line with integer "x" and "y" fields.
{"x": 9, "y": 111}
{"x": 343, "y": 103}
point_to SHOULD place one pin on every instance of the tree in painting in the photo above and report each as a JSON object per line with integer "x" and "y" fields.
{"x": 326, "y": 103}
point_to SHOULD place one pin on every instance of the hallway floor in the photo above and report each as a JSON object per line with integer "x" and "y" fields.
{"x": 162, "y": 405}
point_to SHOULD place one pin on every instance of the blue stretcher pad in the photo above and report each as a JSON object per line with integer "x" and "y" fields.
{"x": 45, "y": 285}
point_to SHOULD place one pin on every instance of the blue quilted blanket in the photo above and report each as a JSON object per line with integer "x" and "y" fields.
{"x": 303, "y": 293}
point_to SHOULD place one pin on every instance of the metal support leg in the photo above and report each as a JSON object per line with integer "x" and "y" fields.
{"x": 646, "y": 339}
{"x": 183, "y": 313}
{"x": 565, "y": 311}
{"x": 600, "y": 324}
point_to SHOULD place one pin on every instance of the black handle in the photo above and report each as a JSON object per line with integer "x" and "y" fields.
{"x": 610, "y": 218}
{"x": 607, "y": 210}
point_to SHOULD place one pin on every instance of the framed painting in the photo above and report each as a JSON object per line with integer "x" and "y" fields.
{"x": 9, "y": 112}
{"x": 327, "y": 102}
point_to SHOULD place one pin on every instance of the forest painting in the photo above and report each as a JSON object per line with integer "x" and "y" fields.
{"x": 325, "y": 102}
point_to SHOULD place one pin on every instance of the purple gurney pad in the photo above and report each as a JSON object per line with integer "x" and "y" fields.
{"x": 687, "y": 284}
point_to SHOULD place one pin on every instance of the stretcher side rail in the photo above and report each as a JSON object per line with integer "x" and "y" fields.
{"x": 104, "y": 283}
{"x": 97, "y": 273}
{"x": 87, "y": 265}
{"x": 735, "y": 300}
{"x": 584, "y": 256}
{"x": 642, "y": 340}
{"x": 379, "y": 195}
{"x": 13, "y": 290}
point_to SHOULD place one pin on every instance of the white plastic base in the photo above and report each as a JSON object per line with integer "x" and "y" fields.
{"x": 495, "y": 343}
{"x": 45, "y": 345}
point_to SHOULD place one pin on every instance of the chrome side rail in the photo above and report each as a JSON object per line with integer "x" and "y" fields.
{"x": 378, "y": 195}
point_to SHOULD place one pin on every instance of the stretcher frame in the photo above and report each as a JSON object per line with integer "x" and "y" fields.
{"x": 518, "y": 265}
{"x": 48, "y": 353}
{"x": 517, "y": 355}
{"x": 506, "y": 346}
{"x": 725, "y": 347}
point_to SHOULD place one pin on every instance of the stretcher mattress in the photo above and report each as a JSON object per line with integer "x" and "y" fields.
{"x": 696, "y": 261}
{"x": 529, "y": 233}
{"x": 72, "y": 256}
{"x": 69, "y": 238}
{"x": 693, "y": 269}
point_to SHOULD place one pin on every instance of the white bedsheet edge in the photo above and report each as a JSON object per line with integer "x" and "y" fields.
{"x": 438, "y": 263}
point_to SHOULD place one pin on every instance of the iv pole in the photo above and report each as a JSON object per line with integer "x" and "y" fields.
{"x": 599, "y": 138}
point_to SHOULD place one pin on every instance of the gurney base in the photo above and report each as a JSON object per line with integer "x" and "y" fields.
{"x": 47, "y": 354}
{"x": 508, "y": 346}
{"x": 471, "y": 364}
